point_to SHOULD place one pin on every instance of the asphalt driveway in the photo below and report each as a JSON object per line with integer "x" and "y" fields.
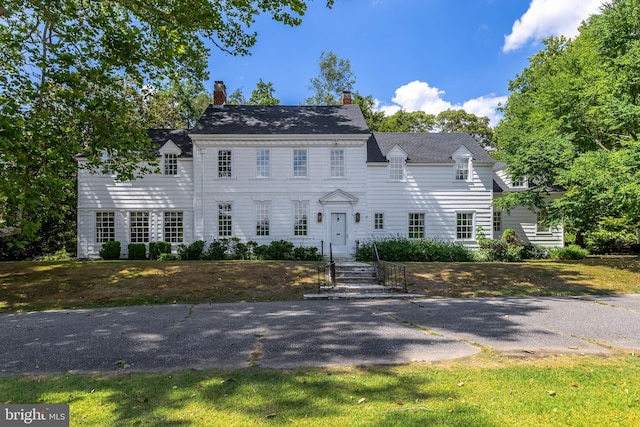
{"x": 312, "y": 333}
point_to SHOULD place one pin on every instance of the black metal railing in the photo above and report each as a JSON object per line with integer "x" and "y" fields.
{"x": 327, "y": 272}
{"x": 389, "y": 273}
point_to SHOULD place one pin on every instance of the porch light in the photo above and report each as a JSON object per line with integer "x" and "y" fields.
{"x": 357, "y": 216}
{"x": 319, "y": 216}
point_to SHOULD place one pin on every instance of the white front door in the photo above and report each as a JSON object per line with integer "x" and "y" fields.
{"x": 339, "y": 231}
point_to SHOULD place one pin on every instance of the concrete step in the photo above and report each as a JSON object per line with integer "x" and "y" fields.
{"x": 352, "y": 296}
{"x": 363, "y": 288}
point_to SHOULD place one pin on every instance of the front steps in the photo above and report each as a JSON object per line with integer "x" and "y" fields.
{"x": 357, "y": 280}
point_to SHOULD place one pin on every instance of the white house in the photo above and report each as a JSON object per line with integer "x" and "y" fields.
{"x": 311, "y": 175}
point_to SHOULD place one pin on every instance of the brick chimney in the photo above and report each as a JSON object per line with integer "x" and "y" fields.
{"x": 346, "y": 97}
{"x": 219, "y": 93}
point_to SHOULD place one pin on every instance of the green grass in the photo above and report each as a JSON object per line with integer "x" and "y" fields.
{"x": 31, "y": 286}
{"x": 487, "y": 390}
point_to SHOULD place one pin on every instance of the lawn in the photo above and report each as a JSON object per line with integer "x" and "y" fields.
{"x": 488, "y": 390}
{"x": 29, "y": 286}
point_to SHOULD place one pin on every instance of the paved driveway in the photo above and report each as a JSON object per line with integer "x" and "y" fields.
{"x": 312, "y": 333}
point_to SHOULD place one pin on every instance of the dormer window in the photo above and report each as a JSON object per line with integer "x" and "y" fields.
{"x": 519, "y": 181}
{"x": 171, "y": 164}
{"x": 396, "y": 168}
{"x": 463, "y": 166}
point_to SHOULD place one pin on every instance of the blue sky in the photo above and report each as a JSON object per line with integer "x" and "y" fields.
{"x": 426, "y": 55}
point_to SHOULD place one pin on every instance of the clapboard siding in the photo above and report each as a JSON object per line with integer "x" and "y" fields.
{"x": 432, "y": 190}
{"x": 524, "y": 222}
{"x": 154, "y": 194}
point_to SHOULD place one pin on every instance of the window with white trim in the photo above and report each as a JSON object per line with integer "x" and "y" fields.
{"x": 541, "y": 222}
{"x": 263, "y": 213}
{"x": 378, "y": 221}
{"x": 224, "y": 163}
{"x": 174, "y": 227}
{"x": 139, "y": 227}
{"x": 263, "y": 163}
{"x": 396, "y": 168}
{"x": 300, "y": 163}
{"x": 416, "y": 225}
{"x": 463, "y": 165}
{"x": 464, "y": 225}
{"x": 336, "y": 161}
{"x": 519, "y": 181}
{"x": 300, "y": 218}
{"x": 497, "y": 221}
{"x": 105, "y": 226}
{"x": 224, "y": 220}
{"x": 171, "y": 164}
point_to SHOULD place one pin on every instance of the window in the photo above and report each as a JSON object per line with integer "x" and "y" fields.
{"x": 337, "y": 164}
{"x": 173, "y": 227}
{"x": 299, "y": 163}
{"x": 462, "y": 169}
{"x": 105, "y": 226}
{"x": 263, "y": 167}
{"x": 519, "y": 181}
{"x": 416, "y": 225}
{"x": 171, "y": 164}
{"x": 224, "y": 220}
{"x": 378, "y": 221}
{"x": 541, "y": 223}
{"x": 262, "y": 218}
{"x": 464, "y": 225}
{"x": 396, "y": 168}
{"x": 139, "y": 227}
{"x": 224, "y": 164}
{"x": 497, "y": 221}
{"x": 300, "y": 218}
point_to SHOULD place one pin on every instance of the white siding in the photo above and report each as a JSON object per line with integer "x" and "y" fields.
{"x": 524, "y": 222}
{"x": 153, "y": 193}
{"x": 430, "y": 189}
{"x": 281, "y": 189}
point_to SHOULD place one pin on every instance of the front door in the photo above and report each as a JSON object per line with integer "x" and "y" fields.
{"x": 339, "y": 231}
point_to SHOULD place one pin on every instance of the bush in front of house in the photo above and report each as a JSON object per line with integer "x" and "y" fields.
{"x": 509, "y": 248}
{"x": 401, "y": 249}
{"x": 110, "y": 250}
{"x": 158, "y": 248}
{"x": 306, "y": 254}
{"x": 231, "y": 248}
{"x": 192, "y": 251}
{"x": 276, "y": 250}
{"x": 569, "y": 253}
{"x": 137, "y": 251}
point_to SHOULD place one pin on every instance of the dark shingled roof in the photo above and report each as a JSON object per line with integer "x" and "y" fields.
{"x": 423, "y": 147}
{"x": 180, "y": 137}
{"x": 279, "y": 120}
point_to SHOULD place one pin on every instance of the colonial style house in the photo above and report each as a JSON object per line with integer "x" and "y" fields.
{"x": 311, "y": 175}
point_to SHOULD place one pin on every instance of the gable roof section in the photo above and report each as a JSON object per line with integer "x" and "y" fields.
{"x": 180, "y": 137}
{"x": 424, "y": 147}
{"x": 281, "y": 120}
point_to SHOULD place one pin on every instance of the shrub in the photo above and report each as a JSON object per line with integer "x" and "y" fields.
{"x": 137, "y": 251}
{"x": 569, "y": 252}
{"x": 401, "y": 249}
{"x": 535, "y": 252}
{"x": 279, "y": 250}
{"x": 167, "y": 257}
{"x": 192, "y": 251}
{"x": 609, "y": 242}
{"x": 110, "y": 250}
{"x": 158, "y": 248}
{"x": 307, "y": 254}
{"x": 217, "y": 250}
{"x": 493, "y": 250}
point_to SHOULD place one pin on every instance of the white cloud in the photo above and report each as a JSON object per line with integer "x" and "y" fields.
{"x": 419, "y": 96}
{"x": 546, "y": 18}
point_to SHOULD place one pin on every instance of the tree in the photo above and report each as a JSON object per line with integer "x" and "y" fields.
{"x": 367, "y": 106}
{"x": 461, "y": 121}
{"x": 71, "y": 74}
{"x": 236, "y": 98}
{"x": 176, "y": 105}
{"x": 334, "y": 78}
{"x": 263, "y": 94}
{"x": 573, "y": 119}
{"x": 402, "y": 121}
